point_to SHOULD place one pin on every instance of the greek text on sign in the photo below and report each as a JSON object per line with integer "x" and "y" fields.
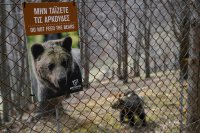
{"x": 48, "y": 18}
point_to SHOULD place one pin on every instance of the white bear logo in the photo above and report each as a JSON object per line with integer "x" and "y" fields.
{"x": 75, "y": 82}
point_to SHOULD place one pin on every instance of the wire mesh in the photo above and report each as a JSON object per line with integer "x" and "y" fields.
{"x": 126, "y": 45}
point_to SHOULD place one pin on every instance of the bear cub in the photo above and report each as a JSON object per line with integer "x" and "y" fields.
{"x": 130, "y": 105}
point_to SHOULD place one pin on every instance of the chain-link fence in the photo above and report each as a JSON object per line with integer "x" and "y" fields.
{"x": 126, "y": 45}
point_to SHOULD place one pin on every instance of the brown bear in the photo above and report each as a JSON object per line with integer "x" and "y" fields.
{"x": 130, "y": 105}
{"x": 57, "y": 69}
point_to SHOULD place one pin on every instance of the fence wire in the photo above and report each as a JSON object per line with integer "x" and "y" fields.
{"x": 135, "y": 61}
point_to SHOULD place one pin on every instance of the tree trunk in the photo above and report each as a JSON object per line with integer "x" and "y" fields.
{"x": 184, "y": 44}
{"x": 147, "y": 29}
{"x": 4, "y": 68}
{"x": 164, "y": 62}
{"x": 85, "y": 46}
{"x": 193, "y": 101}
{"x": 119, "y": 46}
{"x": 147, "y": 55}
{"x": 125, "y": 45}
{"x": 155, "y": 67}
{"x": 119, "y": 23}
{"x": 181, "y": 28}
{"x": 137, "y": 52}
{"x": 18, "y": 57}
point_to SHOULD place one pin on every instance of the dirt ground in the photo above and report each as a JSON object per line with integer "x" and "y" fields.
{"x": 90, "y": 110}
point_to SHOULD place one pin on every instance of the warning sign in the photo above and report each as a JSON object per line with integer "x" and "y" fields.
{"x": 48, "y": 18}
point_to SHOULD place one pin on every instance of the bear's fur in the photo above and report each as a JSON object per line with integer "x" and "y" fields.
{"x": 52, "y": 62}
{"x": 130, "y": 105}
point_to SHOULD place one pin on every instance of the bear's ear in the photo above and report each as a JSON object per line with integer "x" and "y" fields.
{"x": 67, "y": 44}
{"x": 37, "y": 50}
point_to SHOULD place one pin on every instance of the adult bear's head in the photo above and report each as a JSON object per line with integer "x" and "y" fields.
{"x": 52, "y": 61}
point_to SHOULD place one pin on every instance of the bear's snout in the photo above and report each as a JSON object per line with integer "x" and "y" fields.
{"x": 62, "y": 82}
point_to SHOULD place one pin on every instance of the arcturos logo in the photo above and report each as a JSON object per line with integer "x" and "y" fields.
{"x": 75, "y": 82}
